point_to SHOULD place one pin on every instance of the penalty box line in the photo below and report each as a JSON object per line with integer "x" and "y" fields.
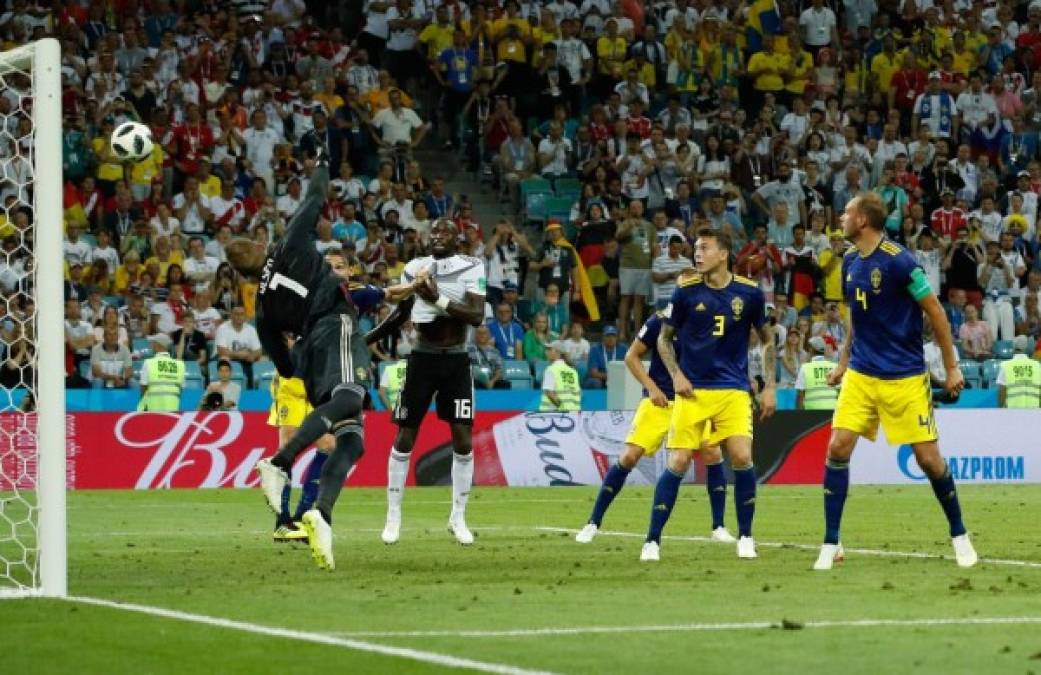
{"x": 422, "y": 656}
{"x": 699, "y": 627}
{"x": 882, "y": 553}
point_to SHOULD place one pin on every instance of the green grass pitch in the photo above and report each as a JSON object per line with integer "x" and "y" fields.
{"x": 210, "y": 553}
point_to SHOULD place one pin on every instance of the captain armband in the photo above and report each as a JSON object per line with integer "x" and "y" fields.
{"x": 919, "y": 286}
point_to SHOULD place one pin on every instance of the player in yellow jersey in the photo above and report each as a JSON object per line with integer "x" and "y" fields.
{"x": 289, "y": 407}
{"x": 711, "y": 317}
{"x": 883, "y": 372}
{"x": 649, "y": 428}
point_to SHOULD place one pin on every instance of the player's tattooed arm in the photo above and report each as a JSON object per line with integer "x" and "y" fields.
{"x": 666, "y": 352}
{"x": 680, "y": 384}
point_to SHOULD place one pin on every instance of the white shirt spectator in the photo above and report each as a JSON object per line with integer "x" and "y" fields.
{"x": 974, "y": 108}
{"x": 303, "y": 115}
{"x": 77, "y": 330}
{"x": 167, "y": 319}
{"x": 11, "y": 274}
{"x": 633, "y": 185}
{"x": 990, "y": 224}
{"x": 260, "y": 147}
{"x": 200, "y": 272}
{"x": 77, "y": 252}
{"x": 402, "y": 40}
{"x": 572, "y": 53}
{"x": 817, "y": 25}
{"x": 207, "y": 321}
{"x": 406, "y": 216}
{"x": 796, "y": 125}
{"x": 930, "y": 262}
{"x": 193, "y": 220}
{"x": 665, "y": 263}
{"x": 934, "y": 362}
{"x": 375, "y": 22}
{"x": 790, "y": 193}
{"x": 228, "y": 212}
{"x": 161, "y": 229}
{"x": 109, "y": 255}
{"x": 237, "y": 340}
{"x": 364, "y": 77}
{"x": 287, "y": 205}
{"x": 559, "y": 151}
{"x": 396, "y": 126}
{"x": 575, "y": 350}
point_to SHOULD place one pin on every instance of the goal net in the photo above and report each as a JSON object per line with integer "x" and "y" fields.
{"x": 32, "y": 350}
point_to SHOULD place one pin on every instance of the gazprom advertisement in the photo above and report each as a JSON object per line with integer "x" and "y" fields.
{"x": 986, "y": 446}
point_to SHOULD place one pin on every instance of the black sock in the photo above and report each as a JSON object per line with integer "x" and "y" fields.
{"x": 349, "y": 447}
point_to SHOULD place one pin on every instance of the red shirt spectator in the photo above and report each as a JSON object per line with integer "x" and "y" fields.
{"x": 945, "y": 222}
{"x": 639, "y": 125}
{"x": 906, "y": 85}
{"x": 193, "y": 140}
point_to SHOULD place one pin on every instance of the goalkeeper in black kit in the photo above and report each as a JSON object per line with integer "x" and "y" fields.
{"x": 307, "y": 295}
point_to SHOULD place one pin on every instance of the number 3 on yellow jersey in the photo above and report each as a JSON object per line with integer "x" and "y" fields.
{"x": 862, "y": 298}
{"x": 720, "y": 322}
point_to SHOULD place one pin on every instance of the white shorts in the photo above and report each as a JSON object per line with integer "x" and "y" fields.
{"x": 634, "y": 281}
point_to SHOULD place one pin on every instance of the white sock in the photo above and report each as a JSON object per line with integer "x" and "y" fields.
{"x": 462, "y": 480}
{"x": 397, "y": 474}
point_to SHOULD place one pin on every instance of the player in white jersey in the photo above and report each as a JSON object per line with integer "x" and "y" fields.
{"x": 447, "y": 303}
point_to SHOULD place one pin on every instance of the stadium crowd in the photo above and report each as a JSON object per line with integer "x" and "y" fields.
{"x": 613, "y": 129}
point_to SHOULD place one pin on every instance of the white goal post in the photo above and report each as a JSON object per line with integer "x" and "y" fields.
{"x": 31, "y": 75}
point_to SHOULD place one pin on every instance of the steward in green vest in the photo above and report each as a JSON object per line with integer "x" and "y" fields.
{"x": 162, "y": 378}
{"x": 812, "y": 389}
{"x": 561, "y": 390}
{"x": 1019, "y": 381}
{"x": 392, "y": 382}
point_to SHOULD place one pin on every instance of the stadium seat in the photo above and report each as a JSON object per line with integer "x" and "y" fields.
{"x": 140, "y": 346}
{"x": 518, "y": 373}
{"x": 113, "y": 300}
{"x": 88, "y": 238}
{"x": 263, "y": 372}
{"x": 972, "y": 372}
{"x": 535, "y": 206}
{"x": 1003, "y": 349}
{"x": 193, "y": 382}
{"x": 84, "y": 369}
{"x": 567, "y": 186}
{"x": 583, "y": 369}
{"x": 559, "y": 208}
{"x": 540, "y": 368}
{"x": 990, "y": 372}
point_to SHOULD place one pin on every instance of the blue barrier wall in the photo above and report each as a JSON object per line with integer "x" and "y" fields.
{"x": 103, "y": 400}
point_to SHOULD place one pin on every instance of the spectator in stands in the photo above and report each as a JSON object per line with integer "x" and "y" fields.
{"x": 517, "y": 161}
{"x": 576, "y": 347}
{"x": 486, "y": 361}
{"x": 537, "y": 337}
{"x": 507, "y": 333}
{"x": 666, "y": 269}
{"x": 976, "y": 336}
{"x": 997, "y": 280}
{"x": 188, "y": 343}
{"x": 223, "y": 393}
{"x": 110, "y": 362}
{"x": 110, "y": 318}
{"x": 555, "y": 262}
{"x": 792, "y": 358}
{"x": 397, "y": 129}
{"x": 237, "y": 340}
{"x": 600, "y": 355}
{"x": 79, "y": 335}
{"x": 637, "y": 239}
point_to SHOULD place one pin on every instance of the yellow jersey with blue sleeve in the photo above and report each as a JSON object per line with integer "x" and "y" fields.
{"x": 712, "y": 327}
{"x": 887, "y": 382}
{"x": 289, "y": 404}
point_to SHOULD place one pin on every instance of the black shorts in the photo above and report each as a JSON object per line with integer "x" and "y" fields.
{"x": 333, "y": 353}
{"x": 444, "y": 376}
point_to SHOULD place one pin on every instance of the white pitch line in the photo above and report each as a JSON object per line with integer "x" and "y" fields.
{"x": 806, "y": 547}
{"x": 316, "y": 638}
{"x": 696, "y": 627}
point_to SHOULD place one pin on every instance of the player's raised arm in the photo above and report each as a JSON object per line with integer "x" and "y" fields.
{"x": 273, "y": 343}
{"x": 634, "y": 362}
{"x": 301, "y": 231}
